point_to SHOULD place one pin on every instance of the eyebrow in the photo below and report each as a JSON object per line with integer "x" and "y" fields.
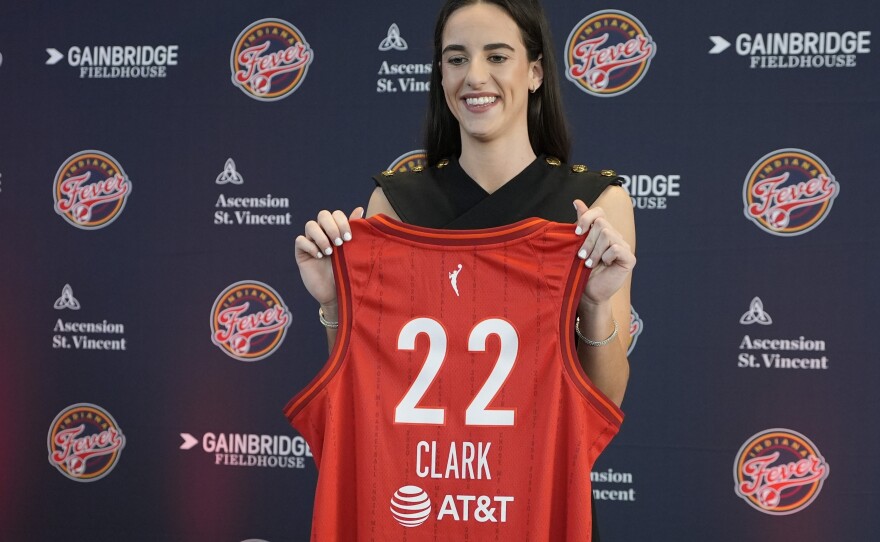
{"x": 487, "y": 47}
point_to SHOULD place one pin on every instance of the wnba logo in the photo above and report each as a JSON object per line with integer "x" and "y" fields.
{"x": 84, "y": 442}
{"x": 411, "y": 161}
{"x": 270, "y": 59}
{"x": 90, "y": 189}
{"x": 789, "y": 192}
{"x": 608, "y": 53}
{"x": 249, "y": 321}
{"x": 779, "y": 472}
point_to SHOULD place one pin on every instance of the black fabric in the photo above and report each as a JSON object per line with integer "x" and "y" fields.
{"x": 447, "y": 198}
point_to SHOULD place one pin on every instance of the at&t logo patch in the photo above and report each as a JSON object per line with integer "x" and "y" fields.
{"x": 90, "y": 189}
{"x": 789, "y": 192}
{"x": 84, "y": 442}
{"x": 608, "y": 52}
{"x": 410, "y": 506}
{"x": 779, "y": 471}
{"x": 270, "y": 59}
{"x": 249, "y": 320}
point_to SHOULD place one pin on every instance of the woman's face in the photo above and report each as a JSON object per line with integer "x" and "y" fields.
{"x": 486, "y": 74}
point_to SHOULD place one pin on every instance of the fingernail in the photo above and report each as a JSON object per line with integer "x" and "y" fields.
{"x": 346, "y": 236}
{"x": 582, "y": 254}
{"x": 337, "y": 241}
{"x": 575, "y": 205}
{"x": 589, "y": 263}
{"x": 328, "y": 251}
{"x": 578, "y": 230}
{"x": 319, "y": 255}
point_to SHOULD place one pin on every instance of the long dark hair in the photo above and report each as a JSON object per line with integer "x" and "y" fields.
{"x": 548, "y": 132}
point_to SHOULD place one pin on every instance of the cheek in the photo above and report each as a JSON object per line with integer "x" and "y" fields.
{"x": 449, "y": 89}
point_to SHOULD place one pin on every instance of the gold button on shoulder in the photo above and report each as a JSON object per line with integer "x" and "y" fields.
{"x": 443, "y": 163}
{"x": 608, "y": 173}
{"x": 416, "y": 169}
{"x": 579, "y": 168}
{"x": 553, "y": 161}
{"x": 388, "y": 173}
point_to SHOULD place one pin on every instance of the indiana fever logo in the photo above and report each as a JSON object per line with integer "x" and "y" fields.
{"x": 608, "y": 53}
{"x": 635, "y": 329}
{"x": 90, "y": 189}
{"x": 249, "y": 321}
{"x": 270, "y": 59}
{"x": 779, "y": 472}
{"x": 84, "y": 442}
{"x": 411, "y": 161}
{"x": 789, "y": 192}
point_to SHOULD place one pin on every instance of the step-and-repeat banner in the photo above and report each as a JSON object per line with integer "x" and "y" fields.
{"x": 159, "y": 158}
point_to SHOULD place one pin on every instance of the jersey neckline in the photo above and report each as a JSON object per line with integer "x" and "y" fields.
{"x": 510, "y": 232}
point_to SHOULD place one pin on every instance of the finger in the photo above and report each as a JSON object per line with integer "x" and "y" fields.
{"x": 580, "y": 208}
{"x": 620, "y": 254}
{"x": 358, "y": 212}
{"x": 599, "y": 240}
{"x": 602, "y": 235}
{"x": 306, "y": 246}
{"x": 342, "y": 225}
{"x": 587, "y": 218}
{"x": 330, "y": 227}
{"x": 592, "y": 222}
{"x": 316, "y": 234}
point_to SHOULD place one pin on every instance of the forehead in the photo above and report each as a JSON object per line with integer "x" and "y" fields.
{"x": 478, "y": 24}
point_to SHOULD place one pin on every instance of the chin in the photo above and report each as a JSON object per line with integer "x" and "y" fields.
{"x": 479, "y": 133}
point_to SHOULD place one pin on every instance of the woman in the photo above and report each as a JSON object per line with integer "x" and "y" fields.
{"x": 496, "y": 139}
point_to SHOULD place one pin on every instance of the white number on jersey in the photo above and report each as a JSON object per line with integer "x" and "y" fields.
{"x": 407, "y": 411}
{"x": 477, "y": 412}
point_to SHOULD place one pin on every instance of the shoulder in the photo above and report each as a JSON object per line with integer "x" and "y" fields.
{"x": 407, "y": 193}
{"x": 379, "y": 204}
{"x": 416, "y": 174}
{"x": 583, "y": 182}
{"x": 581, "y": 173}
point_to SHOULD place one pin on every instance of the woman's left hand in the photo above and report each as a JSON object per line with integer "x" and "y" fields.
{"x": 605, "y": 251}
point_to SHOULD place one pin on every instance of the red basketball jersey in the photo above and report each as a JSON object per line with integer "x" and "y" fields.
{"x": 453, "y": 406}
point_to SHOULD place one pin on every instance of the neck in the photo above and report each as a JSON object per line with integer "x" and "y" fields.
{"x": 492, "y": 163}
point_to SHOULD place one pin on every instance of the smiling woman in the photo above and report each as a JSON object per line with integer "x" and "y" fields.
{"x": 486, "y": 79}
{"x": 496, "y": 140}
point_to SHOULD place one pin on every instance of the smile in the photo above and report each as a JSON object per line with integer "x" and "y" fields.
{"x": 482, "y": 100}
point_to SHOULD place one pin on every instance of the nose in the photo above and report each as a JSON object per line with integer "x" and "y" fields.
{"x": 478, "y": 73}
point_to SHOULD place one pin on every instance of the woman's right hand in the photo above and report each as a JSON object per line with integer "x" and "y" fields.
{"x": 313, "y": 249}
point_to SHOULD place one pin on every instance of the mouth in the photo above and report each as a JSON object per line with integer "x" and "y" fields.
{"x": 481, "y": 100}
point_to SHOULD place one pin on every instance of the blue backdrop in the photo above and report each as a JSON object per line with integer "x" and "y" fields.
{"x": 746, "y": 132}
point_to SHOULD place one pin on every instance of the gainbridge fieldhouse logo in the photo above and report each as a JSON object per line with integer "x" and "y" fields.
{"x": 84, "y": 442}
{"x": 249, "y": 320}
{"x": 411, "y": 161}
{"x": 90, "y": 189}
{"x": 608, "y": 52}
{"x": 789, "y": 192}
{"x": 270, "y": 59}
{"x": 779, "y": 471}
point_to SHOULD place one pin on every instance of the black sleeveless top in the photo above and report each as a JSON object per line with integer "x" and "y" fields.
{"x": 444, "y": 196}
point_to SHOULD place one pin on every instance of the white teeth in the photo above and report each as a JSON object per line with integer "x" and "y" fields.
{"x": 482, "y": 100}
